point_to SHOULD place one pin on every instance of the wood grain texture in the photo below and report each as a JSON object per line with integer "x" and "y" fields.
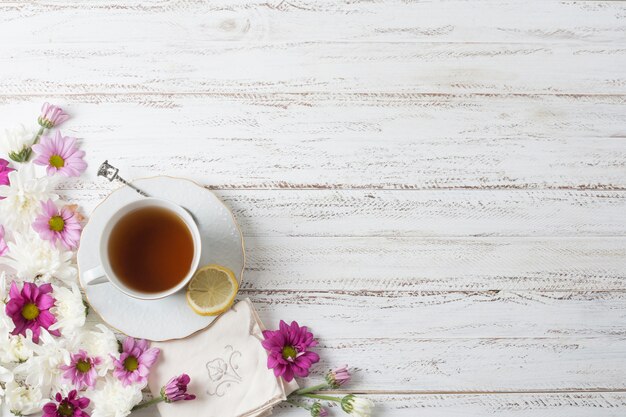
{"x": 502, "y": 405}
{"x": 447, "y": 315}
{"x": 511, "y": 22}
{"x": 436, "y": 264}
{"x": 405, "y": 213}
{"x": 336, "y": 141}
{"x": 305, "y": 67}
{"x": 436, "y": 188}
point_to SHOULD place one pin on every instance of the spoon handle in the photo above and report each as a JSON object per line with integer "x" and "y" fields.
{"x": 111, "y": 173}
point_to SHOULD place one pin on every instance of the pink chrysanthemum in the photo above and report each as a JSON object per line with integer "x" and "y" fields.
{"x": 4, "y": 173}
{"x": 51, "y": 116}
{"x": 176, "y": 389}
{"x": 29, "y": 309}
{"x": 60, "y": 155}
{"x": 70, "y": 406}
{"x": 316, "y": 410}
{"x": 288, "y": 352}
{"x": 4, "y": 249}
{"x": 338, "y": 377}
{"x": 82, "y": 370}
{"x": 133, "y": 365}
{"x": 55, "y": 225}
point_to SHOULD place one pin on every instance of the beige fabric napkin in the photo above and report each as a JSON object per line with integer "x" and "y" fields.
{"x": 227, "y": 366}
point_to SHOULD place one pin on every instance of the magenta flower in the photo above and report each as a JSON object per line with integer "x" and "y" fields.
{"x": 51, "y": 116}
{"x": 82, "y": 370}
{"x": 3, "y": 244}
{"x": 338, "y": 376}
{"x": 316, "y": 410}
{"x": 60, "y": 155}
{"x": 55, "y": 225}
{"x": 135, "y": 361}
{"x": 176, "y": 389}
{"x": 29, "y": 309}
{"x": 288, "y": 352}
{"x": 70, "y": 406}
{"x": 4, "y": 173}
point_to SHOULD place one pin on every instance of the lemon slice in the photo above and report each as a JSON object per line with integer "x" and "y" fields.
{"x": 212, "y": 290}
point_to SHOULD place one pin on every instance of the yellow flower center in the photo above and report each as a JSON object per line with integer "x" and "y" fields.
{"x": 65, "y": 409}
{"x": 131, "y": 364}
{"x": 56, "y": 223}
{"x": 30, "y": 311}
{"x": 56, "y": 161}
{"x": 83, "y": 366}
{"x": 289, "y": 352}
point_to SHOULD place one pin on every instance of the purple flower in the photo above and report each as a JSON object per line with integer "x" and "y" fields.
{"x": 288, "y": 351}
{"x": 176, "y": 389}
{"x": 3, "y": 244}
{"x": 60, "y": 155}
{"x": 338, "y": 376}
{"x": 70, "y": 406}
{"x": 135, "y": 361}
{"x": 55, "y": 225}
{"x": 51, "y": 116}
{"x": 4, "y": 173}
{"x": 82, "y": 370}
{"x": 316, "y": 410}
{"x": 29, "y": 309}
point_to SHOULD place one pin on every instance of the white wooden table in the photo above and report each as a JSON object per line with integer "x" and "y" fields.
{"x": 438, "y": 189}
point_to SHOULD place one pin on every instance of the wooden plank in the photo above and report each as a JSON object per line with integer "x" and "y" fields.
{"x": 435, "y": 264}
{"x": 563, "y": 362}
{"x": 480, "y": 314}
{"x": 281, "y": 21}
{"x": 404, "y": 213}
{"x": 336, "y": 142}
{"x": 606, "y": 404}
{"x": 504, "y": 364}
{"x": 306, "y": 67}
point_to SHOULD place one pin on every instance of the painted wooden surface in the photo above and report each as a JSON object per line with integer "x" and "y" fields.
{"x": 437, "y": 188}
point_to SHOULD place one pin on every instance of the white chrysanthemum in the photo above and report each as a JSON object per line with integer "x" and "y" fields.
{"x": 102, "y": 343}
{"x": 112, "y": 399}
{"x": 68, "y": 309}
{"x": 42, "y": 370}
{"x": 23, "y": 399}
{"x": 5, "y": 376}
{"x": 16, "y": 139}
{"x": 23, "y": 198}
{"x": 14, "y": 350}
{"x": 33, "y": 257}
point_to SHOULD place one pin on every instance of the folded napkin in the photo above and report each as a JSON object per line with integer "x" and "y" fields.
{"x": 227, "y": 366}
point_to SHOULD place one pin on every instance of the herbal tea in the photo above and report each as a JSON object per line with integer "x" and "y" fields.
{"x": 151, "y": 249}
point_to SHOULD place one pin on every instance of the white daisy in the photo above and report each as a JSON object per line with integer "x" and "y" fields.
{"x": 23, "y": 399}
{"x": 6, "y": 324}
{"x": 23, "y": 198}
{"x": 112, "y": 399}
{"x": 14, "y": 350}
{"x": 102, "y": 343}
{"x": 69, "y": 310}
{"x": 42, "y": 370}
{"x": 15, "y": 140}
{"x": 32, "y": 258}
{"x": 5, "y": 376}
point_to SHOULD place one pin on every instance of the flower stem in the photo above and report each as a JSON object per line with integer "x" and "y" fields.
{"x": 28, "y": 152}
{"x": 306, "y": 390}
{"x": 297, "y": 404}
{"x": 323, "y": 397}
{"x": 38, "y": 135}
{"x": 147, "y": 403}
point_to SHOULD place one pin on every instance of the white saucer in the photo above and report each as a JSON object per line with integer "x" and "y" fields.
{"x": 170, "y": 317}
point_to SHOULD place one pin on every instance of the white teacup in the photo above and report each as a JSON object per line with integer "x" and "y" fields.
{"x": 104, "y": 272}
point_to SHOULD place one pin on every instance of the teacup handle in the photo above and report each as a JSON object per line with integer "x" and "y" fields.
{"x": 95, "y": 276}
